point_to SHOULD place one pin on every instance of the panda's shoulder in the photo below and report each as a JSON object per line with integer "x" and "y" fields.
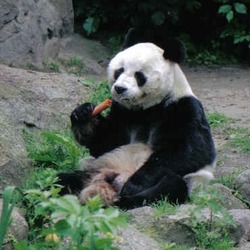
{"x": 189, "y": 106}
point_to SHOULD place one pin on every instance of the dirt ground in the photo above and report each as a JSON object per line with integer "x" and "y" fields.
{"x": 225, "y": 90}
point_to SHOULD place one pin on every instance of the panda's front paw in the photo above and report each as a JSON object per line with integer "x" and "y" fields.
{"x": 82, "y": 113}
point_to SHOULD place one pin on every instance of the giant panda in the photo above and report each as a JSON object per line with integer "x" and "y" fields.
{"x": 154, "y": 143}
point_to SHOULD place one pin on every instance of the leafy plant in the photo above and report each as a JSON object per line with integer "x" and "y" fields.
{"x": 39, "y": 188}
{"x": 210, "y": 233}
{"x": 55, "y": 149}
{"x": 85, "y": 227}
{"x": 229, "y": 10}
{"x": 235, "y": 29}
{"x": 7, "y": 208}
{"x": 90, "y": 225}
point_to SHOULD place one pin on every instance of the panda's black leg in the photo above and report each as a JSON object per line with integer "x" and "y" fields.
{"x": 72, "y": 183}
{"x": 171, "y": 186}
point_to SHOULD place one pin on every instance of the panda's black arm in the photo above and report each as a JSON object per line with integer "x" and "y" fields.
{"x": 99, "y": 134}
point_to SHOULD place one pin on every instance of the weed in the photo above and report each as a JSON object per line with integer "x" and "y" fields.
{"x": 54, "y": 150}
{"x": 210, "y": 232}
{"x": 101, "y": 91}
{"x": 164, "y": 207}
{"x": 52, "y": 66}
{"x": 75, "y": 66}
{"x": 240, "y": 138}
{"x": 218, "y": 120}
{"x": 7, "y": 208}
{"x": 174, "y": 246}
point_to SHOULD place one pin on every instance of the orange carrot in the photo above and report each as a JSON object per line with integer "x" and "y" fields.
{"x": 102, "y": 106}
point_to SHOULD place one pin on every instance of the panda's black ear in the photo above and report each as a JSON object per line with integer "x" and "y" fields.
{"x": 174, "y": 50}
{"x": 131, "y": 38}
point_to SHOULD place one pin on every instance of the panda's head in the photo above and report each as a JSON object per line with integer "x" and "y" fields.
{"x": 144, "y": 75}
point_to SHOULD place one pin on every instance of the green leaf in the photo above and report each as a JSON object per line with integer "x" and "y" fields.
{"x": 158, "y": 18}
{"x": 68, "y": 203}
{"x": 7, "y": 208}
{"x": 240, "y": 8}
{"x": 225, "y": 9}
{"x": 88, "y": 25}
{"x": 230, "y": 16}
{"x": 63, "y": 227}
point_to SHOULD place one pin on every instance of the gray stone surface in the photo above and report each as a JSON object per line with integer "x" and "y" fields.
{"x": 35, "y": 101}
{"x": 30, "y": 31}
{"x": 243, "y": 184}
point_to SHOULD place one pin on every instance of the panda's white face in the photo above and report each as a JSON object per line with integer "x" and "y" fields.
{"x": 140, "y": 77}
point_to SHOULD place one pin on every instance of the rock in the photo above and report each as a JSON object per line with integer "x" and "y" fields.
{"x": 34, "y": 101}
{"x": 93, "y": 56}
{"x": 30, "y": 31}
{"x": 243, "y": 184}
{"x": 164, "y": 228}
{"x": 18, "y": 228}
{"x": 179, "y": 227}
{"x": 228, "y": 200}
{"x": 133, "y": 239}
{"x": 242, "y": 218}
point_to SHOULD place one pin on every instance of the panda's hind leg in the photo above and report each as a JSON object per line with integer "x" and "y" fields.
{"x": 74, "y": 182}
{"x": 101, "y": 185}
{"x": 171, "y": 186}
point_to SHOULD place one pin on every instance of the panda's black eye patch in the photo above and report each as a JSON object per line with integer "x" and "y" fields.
{"x": 140, "y": 78}
{"x": 118, "y": 72}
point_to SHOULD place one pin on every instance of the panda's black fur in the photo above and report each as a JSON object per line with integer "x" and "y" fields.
{"x": 174, "y": 130}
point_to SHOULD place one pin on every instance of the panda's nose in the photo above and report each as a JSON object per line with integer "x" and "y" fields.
{"x": 120, "y": 90}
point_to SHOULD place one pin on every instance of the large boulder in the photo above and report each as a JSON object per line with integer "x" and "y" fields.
{"x": 35, "y": 101}
{"x": 243, "y": 184}
{"x": 30, "y": 30}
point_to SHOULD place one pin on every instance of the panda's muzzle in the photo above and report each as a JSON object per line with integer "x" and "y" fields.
{"x": 120, "y": 90}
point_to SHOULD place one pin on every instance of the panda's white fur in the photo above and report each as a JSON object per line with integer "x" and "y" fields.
{"x": 163, "y": 77}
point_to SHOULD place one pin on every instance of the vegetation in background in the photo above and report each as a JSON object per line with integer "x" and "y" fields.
{"x": 216, "y": 31}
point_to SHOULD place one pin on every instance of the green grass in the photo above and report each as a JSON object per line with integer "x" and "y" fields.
{"x": 218, "y": 120}
{"x": 76, "y": 66}
{"x": 52, "y": 66}
{"x": 54, "y": 149}
{"x": 164, "y": 207}
{"x": 240, "y": 138}
{"x": 237, "y": 137}
{"x": 101, "y": 91}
